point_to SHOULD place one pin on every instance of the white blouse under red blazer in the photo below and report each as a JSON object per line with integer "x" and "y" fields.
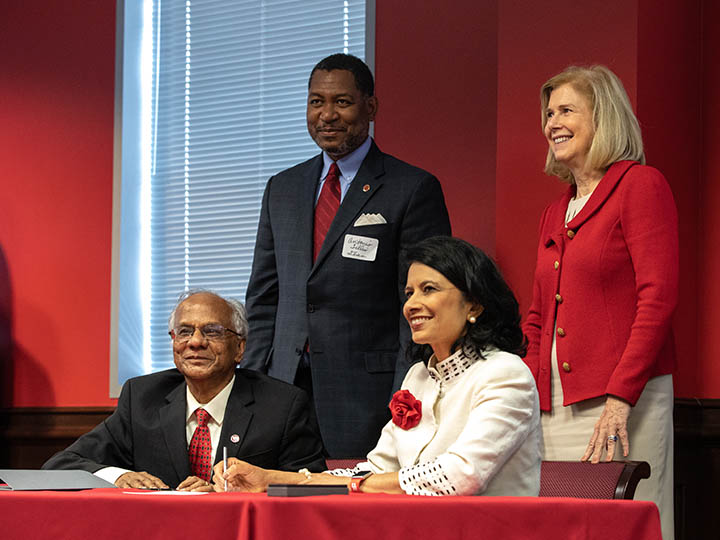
{"x": 612, "y": 277}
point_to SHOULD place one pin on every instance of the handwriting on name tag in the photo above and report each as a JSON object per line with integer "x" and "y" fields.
{"x": 362, "y": 248}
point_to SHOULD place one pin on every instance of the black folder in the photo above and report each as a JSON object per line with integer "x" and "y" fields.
{"x": 305, "y": 490}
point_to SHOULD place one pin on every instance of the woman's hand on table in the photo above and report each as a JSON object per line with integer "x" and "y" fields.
{"x": 611, "y": 426}
{"x": 241, "y": 476}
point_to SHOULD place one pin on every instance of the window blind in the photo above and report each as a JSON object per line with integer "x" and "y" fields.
{"x": 227, "y": 96}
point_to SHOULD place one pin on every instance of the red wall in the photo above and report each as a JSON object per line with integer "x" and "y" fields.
{"x": 656, "y": 49}
{"x": 435, "y": 71}
{"x": 459, "y": 96}
{"x": 535, "y": 41}
{"x": 669, "y": 104}
{"x": 56, "y": 98}
{"x": 707, "y": 205}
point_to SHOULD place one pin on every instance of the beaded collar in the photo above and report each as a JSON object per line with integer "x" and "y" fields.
{"x": 453, "y": 366}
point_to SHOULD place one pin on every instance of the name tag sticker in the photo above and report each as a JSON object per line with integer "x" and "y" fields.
{"x": 362, "y": 248}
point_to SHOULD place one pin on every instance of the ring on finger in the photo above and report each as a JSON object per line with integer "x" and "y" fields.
{"x": 612, "y": 438}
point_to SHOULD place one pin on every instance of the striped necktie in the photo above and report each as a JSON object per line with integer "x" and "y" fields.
{"x": 326, "y": 207}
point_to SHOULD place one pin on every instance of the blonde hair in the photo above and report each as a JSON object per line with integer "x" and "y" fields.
{"x": 617, "y": 132}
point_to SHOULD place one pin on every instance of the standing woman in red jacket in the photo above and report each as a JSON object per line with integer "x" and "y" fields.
{"x": 599, "y": 328}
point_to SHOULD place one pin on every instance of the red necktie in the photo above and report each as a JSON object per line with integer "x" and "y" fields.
{"x": 326, "y": 208}
{"x": 200, "y": 452}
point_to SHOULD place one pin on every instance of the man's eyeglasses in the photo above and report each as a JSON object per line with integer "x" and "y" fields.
{"x": 211, "y": 332}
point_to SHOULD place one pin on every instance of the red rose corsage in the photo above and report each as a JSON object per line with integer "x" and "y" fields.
{"x": 406, "y": 410}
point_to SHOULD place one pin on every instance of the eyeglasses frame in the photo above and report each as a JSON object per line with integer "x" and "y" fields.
{"x": 171, "y": 333}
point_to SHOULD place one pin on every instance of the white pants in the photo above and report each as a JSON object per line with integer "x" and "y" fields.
{"x": 567, "y": 431}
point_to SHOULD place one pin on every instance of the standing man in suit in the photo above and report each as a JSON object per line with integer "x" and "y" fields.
{"x": 168, "y": 425}
{"x": 325, "y": 294}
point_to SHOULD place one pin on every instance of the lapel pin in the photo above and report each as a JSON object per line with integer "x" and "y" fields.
{"x": 234, "y": 438}
{"x": 366, "y": 188}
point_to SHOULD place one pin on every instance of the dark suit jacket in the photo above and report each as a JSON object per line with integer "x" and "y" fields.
{"x": 348, "y": 310}
{"x": 147, "y": 430}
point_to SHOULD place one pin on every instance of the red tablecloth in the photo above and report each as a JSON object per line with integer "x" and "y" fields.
{"x": 108, "y": 513}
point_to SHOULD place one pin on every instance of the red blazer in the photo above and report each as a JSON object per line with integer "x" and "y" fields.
{"x": 612, "y": 278}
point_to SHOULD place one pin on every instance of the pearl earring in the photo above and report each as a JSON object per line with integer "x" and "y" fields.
{"x": 472, "y": 319}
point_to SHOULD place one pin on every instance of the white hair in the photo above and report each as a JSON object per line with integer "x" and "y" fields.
{"x": 238, "y": 316}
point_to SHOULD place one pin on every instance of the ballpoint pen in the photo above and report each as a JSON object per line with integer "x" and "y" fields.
{"x": 225, "y": 464}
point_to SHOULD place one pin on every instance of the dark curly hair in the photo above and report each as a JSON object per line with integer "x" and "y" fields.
{"x": 479, "y": 280}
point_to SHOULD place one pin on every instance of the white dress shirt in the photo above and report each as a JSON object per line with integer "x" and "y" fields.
{"x": 215, "y": 407}
{"x": 348, "y": 165}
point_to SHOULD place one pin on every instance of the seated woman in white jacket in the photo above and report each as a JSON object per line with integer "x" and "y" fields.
{"x": 466, "y": 420}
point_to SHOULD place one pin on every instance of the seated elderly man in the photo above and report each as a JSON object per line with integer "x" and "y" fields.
{"x": 168, "y": 425}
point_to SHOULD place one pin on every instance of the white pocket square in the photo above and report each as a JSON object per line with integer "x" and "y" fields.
{"x": 369, "y": 219}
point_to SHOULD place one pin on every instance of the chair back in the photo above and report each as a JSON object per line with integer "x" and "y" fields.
{"x": 583, "y": 480}
{"x": 346, "y": 463}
